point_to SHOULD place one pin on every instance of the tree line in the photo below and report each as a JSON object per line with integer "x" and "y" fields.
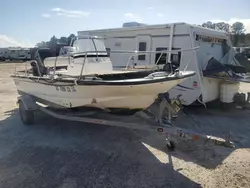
{"x": 237, "y": 30}
{"x": 54, "y": 41}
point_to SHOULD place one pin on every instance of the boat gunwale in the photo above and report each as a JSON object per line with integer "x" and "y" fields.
{"x": 56, "y": 81}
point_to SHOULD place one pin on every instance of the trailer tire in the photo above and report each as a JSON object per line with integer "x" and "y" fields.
{"x": 27, "y": 116}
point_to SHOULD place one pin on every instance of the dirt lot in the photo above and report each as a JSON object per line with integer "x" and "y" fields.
{"x": 63, "y": 154}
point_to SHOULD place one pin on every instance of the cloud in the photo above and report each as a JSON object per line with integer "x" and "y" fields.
{"x": 57, "y": 9}
{"x": 150, "y": 8}
{"x": 246, "y": 22}
{"x": 46, "y": 15}
{"x": 133, "y": 17}
{"x": 159, "y": 14}
{"x": 6, "y": 41}
{"x": 70, "y": 13}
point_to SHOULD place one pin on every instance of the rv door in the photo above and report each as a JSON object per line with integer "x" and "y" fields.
{"x": 143, "y": 43}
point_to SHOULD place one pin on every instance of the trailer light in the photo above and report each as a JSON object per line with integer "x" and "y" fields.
{"x": 160, "y": 130}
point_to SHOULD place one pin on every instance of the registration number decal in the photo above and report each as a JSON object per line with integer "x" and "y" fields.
{"x": 66, "y": 88}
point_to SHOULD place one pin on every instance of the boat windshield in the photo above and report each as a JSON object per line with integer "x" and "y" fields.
{"x": 89, "y": 44}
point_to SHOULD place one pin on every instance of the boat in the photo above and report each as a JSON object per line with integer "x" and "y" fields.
{"x": 87, "y": 79}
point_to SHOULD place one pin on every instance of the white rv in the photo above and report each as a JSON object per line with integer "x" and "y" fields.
{"x": 2, "y": 53}
{"x": 211, "y": 43}
{"x": 18, "y": 54}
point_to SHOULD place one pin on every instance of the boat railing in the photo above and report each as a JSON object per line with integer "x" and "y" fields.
{"x": 134, "y": 53}
{"x": 86, "y": 53}
{"x": 137, "y": 53}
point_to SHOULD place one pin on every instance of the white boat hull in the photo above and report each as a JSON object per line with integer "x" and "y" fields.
{"x": 101, "y": 96}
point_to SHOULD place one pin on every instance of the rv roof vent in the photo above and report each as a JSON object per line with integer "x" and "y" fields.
{"x": 133, "y": 24}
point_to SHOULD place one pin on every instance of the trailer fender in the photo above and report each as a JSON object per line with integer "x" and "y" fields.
{"x": 28, "y": 102}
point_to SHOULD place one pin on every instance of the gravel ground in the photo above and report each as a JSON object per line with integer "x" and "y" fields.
{"x": 56, "y": 153}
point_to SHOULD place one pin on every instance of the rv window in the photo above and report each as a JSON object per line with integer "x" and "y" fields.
{"x": 142, "y": 47}
{"x": 176, "y": 57}
{"x": 108, "y": 51}
{"x": 160, "y": 57}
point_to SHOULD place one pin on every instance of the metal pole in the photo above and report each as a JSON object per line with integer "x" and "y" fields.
{"x": 158, "y": 59}
{"x": 25, "y": 69}
{"x": 84, "y": 60}
{"x": 170, "y": 43}
{"x": 55, "y": 65}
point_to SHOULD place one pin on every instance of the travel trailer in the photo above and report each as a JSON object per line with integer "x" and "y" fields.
{"x": 17, "y": 54}
{"x": 214, "y": 47}
{"x": 2, "y": 53}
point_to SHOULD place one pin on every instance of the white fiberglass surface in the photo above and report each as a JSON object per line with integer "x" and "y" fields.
{"x": 137, "y": 79}
{"x": 154, "y": 78}
{"x": 107, "y": 96}
{"x": 88, "y": 44}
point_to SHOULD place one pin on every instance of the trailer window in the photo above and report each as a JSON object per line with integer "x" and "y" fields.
{"x": 142, "y": 47}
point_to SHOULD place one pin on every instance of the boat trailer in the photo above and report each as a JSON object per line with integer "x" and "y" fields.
{"x": 148, "y": 121}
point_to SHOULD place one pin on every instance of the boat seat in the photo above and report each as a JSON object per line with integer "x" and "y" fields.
{"x": 170, "y": 67}
{"x": 42, "y": 54}
{"x": 38, "y": 68}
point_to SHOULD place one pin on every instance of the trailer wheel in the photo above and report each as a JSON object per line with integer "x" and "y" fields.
{"x": 27, "y": 116}
{"x": 170, "y": 145}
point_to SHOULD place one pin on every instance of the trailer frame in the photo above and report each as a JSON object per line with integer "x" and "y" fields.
{"x": 153, "y": 122}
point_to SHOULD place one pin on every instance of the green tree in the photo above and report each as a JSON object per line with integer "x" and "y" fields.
{"x": 217, "y": 26}
{"x": 238, "y": 30}
{"x": 53, "y": 40}
{"x": 63, "y": 40}
{"x": 208, "y": 24}
{"x": 41, "y": 44}
{"x": 70, "y": 37}
{"x": 222, "y": 26}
